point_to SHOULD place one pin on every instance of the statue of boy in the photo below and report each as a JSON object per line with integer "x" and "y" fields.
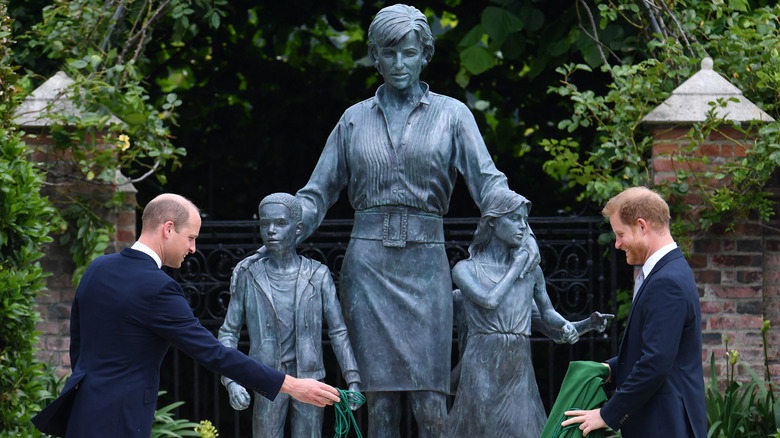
{"x": 282, "y": 298}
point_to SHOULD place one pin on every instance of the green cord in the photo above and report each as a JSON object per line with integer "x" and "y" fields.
{"x": 344, "y": 415}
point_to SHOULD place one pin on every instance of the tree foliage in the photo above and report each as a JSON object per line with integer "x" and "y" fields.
{"x": 252, "y": 89}
{"x": 26, "y": 219}
{"x": 120, "y": 133}
{"x": 743, "y": 39}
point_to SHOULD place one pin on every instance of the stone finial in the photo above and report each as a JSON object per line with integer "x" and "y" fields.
{"x": 690, "y": 102}
{"x": 49, "y": 98}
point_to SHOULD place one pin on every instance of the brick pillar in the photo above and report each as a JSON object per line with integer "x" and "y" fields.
{"x": 737, "y": 271}
{"x": 54, "y": 303}
{"x": 34, "y": 117}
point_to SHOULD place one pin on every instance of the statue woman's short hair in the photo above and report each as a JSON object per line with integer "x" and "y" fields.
{"x": 391, "y": 25}
{"x": 291, "y": 202}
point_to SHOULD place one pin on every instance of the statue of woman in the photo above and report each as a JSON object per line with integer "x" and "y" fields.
{"x": 497, "y": 393}
{"x": 397, "y": 156}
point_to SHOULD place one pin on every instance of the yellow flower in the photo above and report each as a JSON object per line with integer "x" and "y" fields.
{"x": 733, "y": 357}
{"x": 206, "y": 429}
{"x": 124, "y": 142}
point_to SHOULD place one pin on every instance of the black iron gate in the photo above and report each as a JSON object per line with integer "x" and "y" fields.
{"x": 581, "y": 277}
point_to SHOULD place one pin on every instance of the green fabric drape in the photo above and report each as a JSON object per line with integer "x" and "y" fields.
{"x": 582, "y": 388}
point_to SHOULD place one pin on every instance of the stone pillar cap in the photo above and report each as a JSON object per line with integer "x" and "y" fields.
{"x": 49, "y": 98}
{"x": 690, "y": 102}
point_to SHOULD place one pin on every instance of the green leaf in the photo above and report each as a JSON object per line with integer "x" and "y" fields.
{"x": 477, "y": 60}
{"x": 499, "y": 23}
{"x": 473, "y": 37}
{"x": 134, "y": 118}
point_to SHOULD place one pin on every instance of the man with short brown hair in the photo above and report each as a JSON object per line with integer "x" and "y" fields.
{"x": 657, "y": 372}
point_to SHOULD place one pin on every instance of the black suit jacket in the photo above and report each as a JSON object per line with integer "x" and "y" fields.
{"x": 125, "y": 315}
{"x": 658, "y": 370}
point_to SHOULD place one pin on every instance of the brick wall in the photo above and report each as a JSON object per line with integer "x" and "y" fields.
{"x": 737, "y": 271}
{"x": 54, "y": 303}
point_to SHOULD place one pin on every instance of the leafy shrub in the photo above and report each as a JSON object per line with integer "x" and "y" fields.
{"x": 743, "y": 409}
{"x": 26, "y": 219}
{"x": 165, "y": 425}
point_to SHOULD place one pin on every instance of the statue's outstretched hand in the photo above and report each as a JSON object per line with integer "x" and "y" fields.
{"x": 599, "y": 321}
{"x": 239, "y": 397}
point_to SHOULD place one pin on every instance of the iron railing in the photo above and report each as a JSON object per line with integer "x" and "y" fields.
{"x": 580, "y": 273}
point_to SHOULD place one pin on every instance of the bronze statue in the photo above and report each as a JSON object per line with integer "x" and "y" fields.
{"x": 397, "y": 155}
{"x": 497, "y": 393}
{"x": 282, "y": 297}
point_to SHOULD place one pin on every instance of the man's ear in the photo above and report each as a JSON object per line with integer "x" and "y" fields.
{"x": 299, "y": 229}
{"x": 168, "y": 228}
{"x": 642, "y": 224}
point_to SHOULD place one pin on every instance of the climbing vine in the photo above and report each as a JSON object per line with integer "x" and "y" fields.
{"x": 745, "y": 46}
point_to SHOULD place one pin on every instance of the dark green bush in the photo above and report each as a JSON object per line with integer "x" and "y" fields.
{"x": 25, "y": 221}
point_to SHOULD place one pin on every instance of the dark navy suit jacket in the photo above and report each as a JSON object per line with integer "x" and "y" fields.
{"x": 125, "y": 315}
{"x": 658, "y": 370}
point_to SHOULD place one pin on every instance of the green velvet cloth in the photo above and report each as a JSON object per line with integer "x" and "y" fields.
{"x": 582, "y": 388}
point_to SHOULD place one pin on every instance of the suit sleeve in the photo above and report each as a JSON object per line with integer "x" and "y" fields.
{"x": 172, "y": 319}
{"x": 662, "y": 313}
{"x": 75, "y": 334}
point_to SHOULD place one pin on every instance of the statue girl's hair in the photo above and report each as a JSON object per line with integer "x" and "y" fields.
{"x": 496, "y": 204}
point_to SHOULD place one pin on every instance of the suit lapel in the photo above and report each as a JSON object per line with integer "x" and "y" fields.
{"x": 673, "y": 254}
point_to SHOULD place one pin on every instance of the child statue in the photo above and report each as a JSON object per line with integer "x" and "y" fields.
{"x": 283, "y": 297}
{"x": 497, "y": 393}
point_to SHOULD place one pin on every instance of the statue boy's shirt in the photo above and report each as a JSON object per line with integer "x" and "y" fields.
{"x": 252, "y": 302}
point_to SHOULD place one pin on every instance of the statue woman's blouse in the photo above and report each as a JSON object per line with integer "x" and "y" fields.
{"x": 440, "y": 139}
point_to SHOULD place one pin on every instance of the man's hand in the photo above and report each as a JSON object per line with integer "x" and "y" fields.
{"x": 239, "y": 397}
{"x": 310, "y": 391}
{"x": 589, "y": 420}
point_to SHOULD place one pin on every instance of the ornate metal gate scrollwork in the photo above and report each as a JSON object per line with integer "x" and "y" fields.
{"x": 579, "y": 272}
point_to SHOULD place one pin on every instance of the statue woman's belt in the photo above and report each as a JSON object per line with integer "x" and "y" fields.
{"x": 395, "y": 226}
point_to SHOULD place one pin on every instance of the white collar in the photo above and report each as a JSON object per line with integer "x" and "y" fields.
{"x": 653, "y": 259}
{"x": 138, "y": 246}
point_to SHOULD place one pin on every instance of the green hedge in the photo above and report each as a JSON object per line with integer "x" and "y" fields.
{"x": 26, "y": 219}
